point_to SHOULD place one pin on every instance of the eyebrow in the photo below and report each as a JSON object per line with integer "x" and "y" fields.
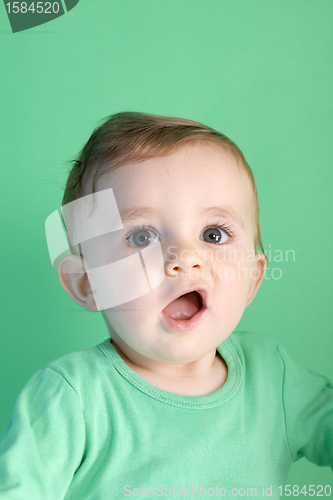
{"x": 227, "y": 213}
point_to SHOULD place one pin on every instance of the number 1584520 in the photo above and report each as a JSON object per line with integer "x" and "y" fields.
{"x": 40, "y": 8}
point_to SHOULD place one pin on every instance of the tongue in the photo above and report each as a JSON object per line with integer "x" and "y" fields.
{"x": 184, "y": 307}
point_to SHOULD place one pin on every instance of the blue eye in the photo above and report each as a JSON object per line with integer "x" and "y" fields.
{"x": 216, "y": 235}
{"x": 143, "y": 237}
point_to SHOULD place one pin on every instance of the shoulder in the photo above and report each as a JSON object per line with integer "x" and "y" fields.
{"x": 81, "y": 365}
{"x": 261, "y": 355}
{"x": 254, "y": 343}
{"x": 257, "y": 353}
{"x": 72, "y": 382}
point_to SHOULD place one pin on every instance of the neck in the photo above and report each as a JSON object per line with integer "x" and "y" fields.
{"x": 197, "y": 378}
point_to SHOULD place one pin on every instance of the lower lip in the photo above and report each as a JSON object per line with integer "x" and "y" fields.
{"x": 181, "y": 325}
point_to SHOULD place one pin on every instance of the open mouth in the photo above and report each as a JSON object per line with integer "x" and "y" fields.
{"x": 185, "y": 311}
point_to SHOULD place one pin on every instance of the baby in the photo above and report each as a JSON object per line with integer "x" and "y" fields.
{"x": 162, "y": 220}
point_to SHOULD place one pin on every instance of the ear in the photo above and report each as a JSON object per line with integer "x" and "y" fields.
{"x": 257, "y": 275}
{"x": 74, "y": 280}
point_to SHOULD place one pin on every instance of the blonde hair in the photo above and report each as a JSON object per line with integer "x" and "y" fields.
{"x": 134, "y": 137}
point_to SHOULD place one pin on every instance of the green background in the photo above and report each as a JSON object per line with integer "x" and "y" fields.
{"x": 260, "y": 71}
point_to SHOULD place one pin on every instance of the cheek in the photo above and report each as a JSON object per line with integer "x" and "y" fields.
{"x": 232, "y": 270}
{"x": 129, "y": 316}
{"x": 233, "y": 280}
{"x": 232, "y": 296}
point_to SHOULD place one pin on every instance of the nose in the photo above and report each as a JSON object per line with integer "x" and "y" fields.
{"x": 182, "y": 259}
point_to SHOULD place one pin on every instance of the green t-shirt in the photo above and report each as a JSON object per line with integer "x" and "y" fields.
{"x": 87, "y": 427}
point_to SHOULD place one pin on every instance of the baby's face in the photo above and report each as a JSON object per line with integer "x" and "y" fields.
{"x": 199, "y": 206}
